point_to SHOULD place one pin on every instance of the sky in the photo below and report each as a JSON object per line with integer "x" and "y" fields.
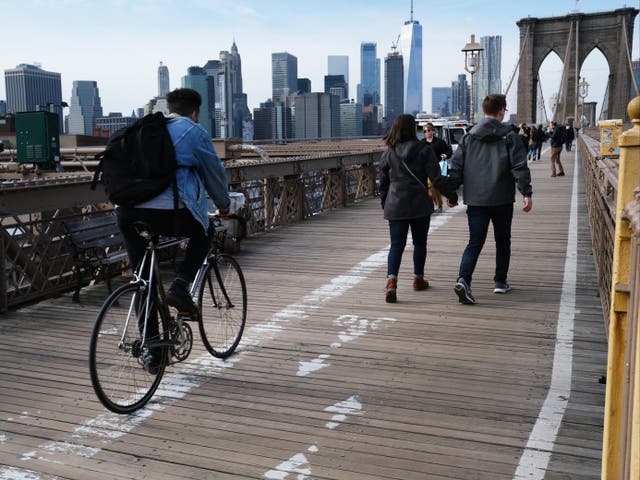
{"x": 120, "y": 43}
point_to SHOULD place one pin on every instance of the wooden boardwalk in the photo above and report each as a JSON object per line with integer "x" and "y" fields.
{"x": 329, "y": 381}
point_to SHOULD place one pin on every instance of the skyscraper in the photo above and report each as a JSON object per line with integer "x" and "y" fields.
{"x": 29, "y": 88}
{"x": 411, "y": 50}
{"x": 393, "y": 86}
{"x": 350, "y": 119}
{"x": 489, "y": 71}
{"x": 460, "y": 97}
{"x": 198, "y": 80}
{"x": 369, "y": 86}
{"x": 336, "y": 84}
{"x": 84, "y": 107}
{"x": 163, "y": 80}
{"x": 284, "y": 75}
{"x": 441, "y": 101}
{"x": 317, "y": 115}
{"x": 339, "y": 65}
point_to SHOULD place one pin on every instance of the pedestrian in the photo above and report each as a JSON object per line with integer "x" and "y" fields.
{"x": 557, "y": 140}
{"x": 200, "y": 172}
{"x": 405, "y": 168}
{"x": 442, "y": 151}
{"x": 490, "y": 161}
{"x": 539, "y": 138}
{"x": 569, "y": 135}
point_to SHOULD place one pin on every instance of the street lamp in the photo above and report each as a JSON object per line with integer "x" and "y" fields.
{"x": 583, "y": 92}
{"x": 471, "y": 64}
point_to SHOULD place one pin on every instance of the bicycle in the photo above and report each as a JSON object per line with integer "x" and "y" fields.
{"x": 125, "y": 333}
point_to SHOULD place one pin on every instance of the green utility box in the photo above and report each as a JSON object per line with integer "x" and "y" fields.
{"x": 38, "y": 139}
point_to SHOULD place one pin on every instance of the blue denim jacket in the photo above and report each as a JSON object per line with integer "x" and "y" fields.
{"x": 200, "y": 171}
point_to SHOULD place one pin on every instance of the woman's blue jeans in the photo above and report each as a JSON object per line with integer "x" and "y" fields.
{"x": 398, "y": 230}
{"x": 478, "y": 218}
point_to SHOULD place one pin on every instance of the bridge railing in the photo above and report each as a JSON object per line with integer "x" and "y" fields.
{"x": 621, "y": 442}
{"x": 36, "y": 259}
{"x": 601, "y": 184}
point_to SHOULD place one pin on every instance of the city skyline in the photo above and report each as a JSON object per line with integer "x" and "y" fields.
{"x": 126, "y": 68}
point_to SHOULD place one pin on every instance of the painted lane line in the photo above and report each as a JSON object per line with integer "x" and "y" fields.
{"x": 108, "y": 427}
{"x": 537, "y": 453}
{"x": 299, "y": 464}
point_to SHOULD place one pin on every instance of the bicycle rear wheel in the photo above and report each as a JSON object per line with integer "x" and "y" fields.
{"x": 223, "y": 305}
{"x": 116, "y": 355}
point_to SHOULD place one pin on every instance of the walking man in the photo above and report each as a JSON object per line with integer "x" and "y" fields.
{"x": 489, "y": 162}
{"x": 557, "y": 140}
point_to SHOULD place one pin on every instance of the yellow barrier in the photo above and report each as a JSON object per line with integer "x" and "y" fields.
{"x": 621, "y": 443}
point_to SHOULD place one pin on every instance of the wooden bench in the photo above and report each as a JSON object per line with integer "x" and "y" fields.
{"x": 98, "y": 249}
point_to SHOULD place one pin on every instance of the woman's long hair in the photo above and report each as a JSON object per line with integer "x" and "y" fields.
{"x": 402, "y": 130}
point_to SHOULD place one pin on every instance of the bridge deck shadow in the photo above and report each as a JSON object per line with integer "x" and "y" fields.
{"x": 330, "y": 381}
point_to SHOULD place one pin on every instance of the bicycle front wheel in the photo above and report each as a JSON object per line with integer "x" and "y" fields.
{"x": 223, "y": 305}
{"x": 119, "y": 376}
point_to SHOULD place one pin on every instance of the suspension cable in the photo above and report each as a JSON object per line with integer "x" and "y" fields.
{"x": 626, "y": 48}
{"x": 515, "y": 69}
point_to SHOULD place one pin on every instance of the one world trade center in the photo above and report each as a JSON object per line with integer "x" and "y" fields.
{"x": 411, "y": 49}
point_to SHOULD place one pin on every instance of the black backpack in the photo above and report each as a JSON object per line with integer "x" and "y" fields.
{"x": 138, "y": 163}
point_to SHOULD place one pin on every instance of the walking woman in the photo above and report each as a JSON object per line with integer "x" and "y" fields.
{"x": 405, "y": 167}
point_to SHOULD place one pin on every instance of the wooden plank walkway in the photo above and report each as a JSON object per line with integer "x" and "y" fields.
{"x": 329, "y": 381}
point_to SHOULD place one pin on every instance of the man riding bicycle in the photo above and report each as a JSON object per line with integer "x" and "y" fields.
{"x": 200, "y": 172}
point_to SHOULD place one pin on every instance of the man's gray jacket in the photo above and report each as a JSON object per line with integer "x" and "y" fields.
{"x": 489, "y": 162}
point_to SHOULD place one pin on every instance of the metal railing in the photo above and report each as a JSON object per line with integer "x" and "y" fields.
{"x": 36, "y": 258}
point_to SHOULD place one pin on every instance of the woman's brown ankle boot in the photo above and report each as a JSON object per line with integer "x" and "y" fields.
{"x": 390, "y": 290}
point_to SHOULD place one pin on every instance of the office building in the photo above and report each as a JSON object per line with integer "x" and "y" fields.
{"x": 106, "y": 126}
{"x": 372, "y": 117}
{"x": 317, "y": 115}
{"x": 411, "y": 49}
{"x": 198, "y": 80}
{"x": 441, "y": 101}
{"x": 163, "y": 80}
{"x": 369, "y": 86}
{"x": 284, "y": 75}
{"x": 393, "y": 87}
{"x": 304, "y": 85}
{"x": 336, "y": 85}
{"x": 272, "y": 121}
{"x": 350, "y": 119}
{"x": 487, "y": 77}
{"x": 84, "y": 107}
{"x": 460, "y": 104}
{"x": 339, "y": 65}
{"x": 3, "y": 108}
{"x": 30, "y": 89}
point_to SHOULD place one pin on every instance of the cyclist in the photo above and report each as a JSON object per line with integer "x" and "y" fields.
{"x": 200, "y": 171}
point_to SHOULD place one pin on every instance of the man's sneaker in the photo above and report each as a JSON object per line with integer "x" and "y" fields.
{"x": 152, "y": 361}
{"x": 463, "y": 290}
{"x": 500, "y": 287}
{"x": 179, "y": 297}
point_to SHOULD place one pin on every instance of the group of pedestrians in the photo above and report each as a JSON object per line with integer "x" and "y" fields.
{"x": 490, "y": 162}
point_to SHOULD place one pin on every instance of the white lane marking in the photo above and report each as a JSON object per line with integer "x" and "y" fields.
{"x": 353, "y": 327}
{"x": 110, "y": 426}
{"x": 299, "y": 463}
{"x": 535, "y": 458}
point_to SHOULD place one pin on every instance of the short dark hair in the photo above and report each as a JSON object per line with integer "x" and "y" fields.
{"x": 184, "y": 101}
{"x": 403, "y": 129}
{"x": 493, "y": 103}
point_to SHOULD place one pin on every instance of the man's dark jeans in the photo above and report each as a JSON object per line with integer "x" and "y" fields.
{"x": 478, "y": 219}
{"x": 398, "y": 230}
{"x": 165, "y": 222}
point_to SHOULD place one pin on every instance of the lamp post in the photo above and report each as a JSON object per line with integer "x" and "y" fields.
{"x": 471, "y": 64}
{"x": 583, "y": 92}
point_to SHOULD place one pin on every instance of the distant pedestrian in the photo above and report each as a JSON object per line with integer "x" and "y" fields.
{"x": 443, "y": 152}
{"x": 569, "y": 135}
{"x": 557, "y": 139}
{"x": 405, "y": 168}
{"x": 539, "y": 138}
{"x": 490, "y": 161}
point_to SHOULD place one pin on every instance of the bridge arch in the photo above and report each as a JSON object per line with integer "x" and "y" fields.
{"x": 573, "y": 37}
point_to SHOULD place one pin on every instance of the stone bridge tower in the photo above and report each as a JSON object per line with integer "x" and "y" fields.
{"x": 573, "y": 37}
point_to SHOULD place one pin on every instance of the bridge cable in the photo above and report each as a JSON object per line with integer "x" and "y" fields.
{"x": 562, "y": 93}
{"x": 544, "y": 106}
{"x": 515, "y": 69}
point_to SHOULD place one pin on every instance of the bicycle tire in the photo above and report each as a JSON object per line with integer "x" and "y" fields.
{"x": 222, "y": 317}
{"x": 117, "y": 374}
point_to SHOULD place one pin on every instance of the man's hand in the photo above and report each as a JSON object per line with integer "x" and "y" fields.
{"x": 223, "y": 212}
{"x": 527, "y": 204}
{"x": 451, "y": 204}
